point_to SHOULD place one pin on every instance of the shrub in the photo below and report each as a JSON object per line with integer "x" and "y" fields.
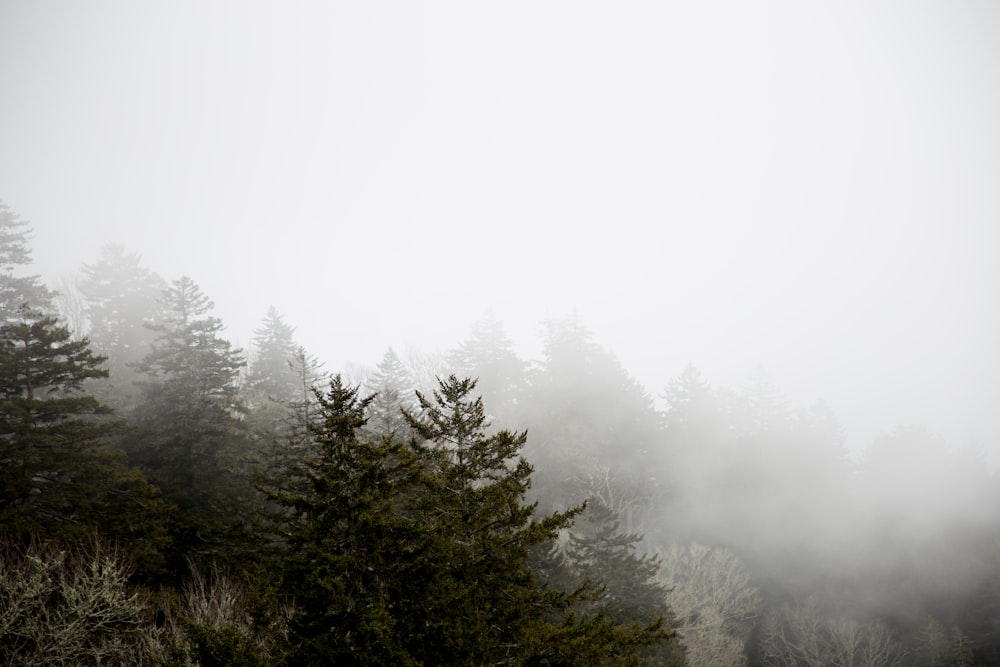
{"x": 61, "y": 604}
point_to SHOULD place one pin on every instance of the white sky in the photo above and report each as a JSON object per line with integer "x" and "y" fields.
{"x": 808, "y": 187}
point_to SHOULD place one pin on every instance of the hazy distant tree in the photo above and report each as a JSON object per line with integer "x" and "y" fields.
{"x": 188, "y": 431}
{"x": 752, "y": 473}
{"x": 425, "y": 368}
{"x": 942, "y": 646}
{"x": 392, "y": 385}
{"x": 285, "y": 430}
{"x": 715, "y": 601}
{"x": 926, "y": 520}
{"x": 764, "y": 408}
{"x": 488, "y": 355}
{"x": 698, "y": 432}
{"x": 586, "y": 413}
{"x": 309, "y": 375}
{"x": 802, "y": 635}
{"x": 273, "y": 388}
{"x": 122, "y": 298}
{"x": 59, "y": 475}
{"x": 272, "y": 373}
{"x": 17, "y": 291}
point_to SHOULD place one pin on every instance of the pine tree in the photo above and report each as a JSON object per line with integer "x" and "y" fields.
{"x": 17, "y": 291}
{"x": 122, "y": 299}
{"x": 352, "y": 539}
{"x": 417, "y": 553}
{"x": 188, "y": 433}
{"x": 488, "y": 355}
{"x": 283, "y": 428}
{"x": 485, "y": 604}
{"x": 59, "y": 475}
{"x": 278, "y": 391}
{"x": 272, "y": 374}
{"x": 590, "y": 418}
{"x": 393, "y": 387}
{"x": 598, "y": 551}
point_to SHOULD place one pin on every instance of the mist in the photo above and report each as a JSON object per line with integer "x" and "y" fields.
{"x": 778, "y": 207}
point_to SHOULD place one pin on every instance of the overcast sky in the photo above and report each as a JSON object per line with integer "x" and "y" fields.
{"x": 812, "y": 188}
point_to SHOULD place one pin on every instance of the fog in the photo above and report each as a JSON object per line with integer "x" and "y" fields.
{"x": 805, "y": 189}
{"x": 745, "y": 255}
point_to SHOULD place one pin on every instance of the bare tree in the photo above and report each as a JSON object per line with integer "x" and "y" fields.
{"x": 71, "y": 305}
{"x": 941, "y": 645}
{"x": 713, "y": 597}
{"x": 801, "y": 635}
{"x": 631, "y": 498}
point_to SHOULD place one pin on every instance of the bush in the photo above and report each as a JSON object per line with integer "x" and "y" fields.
{"x": 62, "y": 604}
{"x": 219, "y": 620}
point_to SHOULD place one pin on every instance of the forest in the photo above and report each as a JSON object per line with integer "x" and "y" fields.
{"x": 167, "y": 498}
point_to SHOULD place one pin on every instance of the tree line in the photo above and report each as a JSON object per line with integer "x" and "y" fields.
{"x": 472, "y": 507}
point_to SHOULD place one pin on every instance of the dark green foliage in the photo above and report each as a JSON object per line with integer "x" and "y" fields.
{"x": 486, "y": 605}
{"x": 59, "y": 475}
{"x": 629, "y": 591}
{"x": 418, "y": 553}
{"x": 188, "y": 433}
{"x": 352, "y": 540}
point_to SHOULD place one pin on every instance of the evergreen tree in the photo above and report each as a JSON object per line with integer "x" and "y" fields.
{"x": 122, "y": 298}
{"x": 393, "y": 387}
{"x": 59, "y": 477}
{"x": 278, "y": 389}
{"x": 284, "y": 429}
{"x": 630, "y": 593}
{"x": 485, "y": 605}
{"x": 17, "y": 291}
{"x": 417, "y": 553}
{"x": 353, "y": 541}
{"x": 488, "y": 355}
{"x": 309, "y": 375}
{"x": 590, "y": 418}
{"x": 272, "y": 373}
{"x": 188, "y": 433}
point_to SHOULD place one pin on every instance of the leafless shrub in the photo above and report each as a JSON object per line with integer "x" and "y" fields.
{"x": 61, "y": 605}
{"x": 218, "y": 617}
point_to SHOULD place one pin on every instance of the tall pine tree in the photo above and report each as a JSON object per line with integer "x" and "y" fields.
{"x": 189, "y": 435}
{"x": 59, "y": 476}
{"x": 393, "y": 386}
{"x": 122, "y": 299}
{"x": 272, "y": 374}
{"x": 17, "y": 291}
{"x": 485, "y": 604}
{"x": 352, "y": 539}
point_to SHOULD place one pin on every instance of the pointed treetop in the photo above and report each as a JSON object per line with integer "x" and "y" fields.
{"x": 16, "y": 291}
